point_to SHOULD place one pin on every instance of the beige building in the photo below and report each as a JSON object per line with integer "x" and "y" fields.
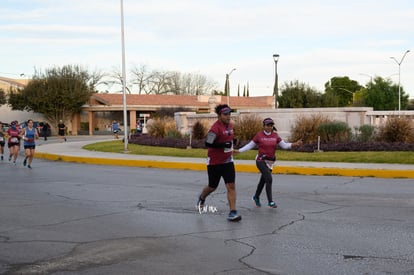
{"x": 103, "y": 108}
{"x": 9, "y": 83}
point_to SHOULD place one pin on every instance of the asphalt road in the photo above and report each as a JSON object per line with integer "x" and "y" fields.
{"x": 68, "y": 218}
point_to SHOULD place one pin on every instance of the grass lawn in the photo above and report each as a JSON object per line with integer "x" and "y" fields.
{"x": 116, "y": 146}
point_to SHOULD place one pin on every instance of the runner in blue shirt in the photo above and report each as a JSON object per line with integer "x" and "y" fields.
{"x": 115, "y": 128}
{"x": 29, "y": 135}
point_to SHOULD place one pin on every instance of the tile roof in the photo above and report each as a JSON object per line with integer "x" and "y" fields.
{"x": 181, "y": 100}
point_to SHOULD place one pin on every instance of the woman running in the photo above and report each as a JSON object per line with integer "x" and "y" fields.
{"x": 29, "y": 135}
{"x": 267, "y": 142}
{"x": 13, "y": 142}
{"x": 2, "y": 140}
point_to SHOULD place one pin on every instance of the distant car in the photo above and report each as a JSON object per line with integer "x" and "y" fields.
{"x": 39, "y": 126}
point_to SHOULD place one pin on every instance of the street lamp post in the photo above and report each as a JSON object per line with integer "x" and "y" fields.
{"x": 227, "y": 85}
{"x": 370, "y": 77}
{"x": 346, "y": 90}
{"x": 276, "y": 87}
{"x": 399, "y": 78}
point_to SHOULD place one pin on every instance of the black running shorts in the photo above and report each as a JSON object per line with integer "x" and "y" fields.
{"x": 216, "y": 172}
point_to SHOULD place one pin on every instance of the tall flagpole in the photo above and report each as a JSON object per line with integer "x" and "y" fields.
{"x": 124, "y": 80}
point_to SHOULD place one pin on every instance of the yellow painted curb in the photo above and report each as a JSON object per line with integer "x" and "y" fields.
{"x": 248, "y": 168}
{"x": 348, "y": 172}
{"x": 124, "y": 162}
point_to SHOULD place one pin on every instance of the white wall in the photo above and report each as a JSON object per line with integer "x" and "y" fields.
{"x": 7, "y": 115}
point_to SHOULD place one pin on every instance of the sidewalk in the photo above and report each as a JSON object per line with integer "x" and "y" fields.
{"x": 72, "y": 151}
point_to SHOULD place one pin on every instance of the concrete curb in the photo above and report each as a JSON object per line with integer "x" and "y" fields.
{"x": 248, "y": 168}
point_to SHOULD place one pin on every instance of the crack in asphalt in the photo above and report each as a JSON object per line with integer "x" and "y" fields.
{"x": 66, "y": 221}
{"x": 352, "y": 180}
{"x": 363, "y": 257}
{"x": 301, "y": 218}
{"x": 94, "y": 254}
{"x": 253, "y": 248}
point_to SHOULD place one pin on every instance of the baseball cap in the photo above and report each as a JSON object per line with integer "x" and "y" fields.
{"x": 268, "y": 121}
{"x": 225, "y": 110}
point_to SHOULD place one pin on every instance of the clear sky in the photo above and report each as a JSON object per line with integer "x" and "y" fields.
{"x": 316, "y": 40}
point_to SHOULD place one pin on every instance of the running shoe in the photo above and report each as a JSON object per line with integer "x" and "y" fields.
{"x": 28, "y": 166}
{"x": 10, "y": 158}
{"x": 200, "y": 203}
{"x": 25, "y": 162}
{"x": 272, "y": 204}
{"x": 1, "y": 157}
{"x": 233, "y": 217}
{"x": 256, "y": 201}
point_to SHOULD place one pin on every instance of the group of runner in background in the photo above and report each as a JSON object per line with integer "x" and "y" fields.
{"x": 15, "y": 135}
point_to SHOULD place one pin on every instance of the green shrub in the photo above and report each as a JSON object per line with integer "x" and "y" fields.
{"x": 173, "y": 133}
{"x": 365, "y": 133}
{"x": 335, "y": 131}
{"x": 306, "y": 128}
{"x": 397, "y": 129}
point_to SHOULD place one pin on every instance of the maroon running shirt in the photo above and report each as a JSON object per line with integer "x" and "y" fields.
{"x": 223, "y": 133}
{"x": 267, "y": 144}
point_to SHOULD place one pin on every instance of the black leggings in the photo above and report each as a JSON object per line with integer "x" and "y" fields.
{"x": 265, "y": 178}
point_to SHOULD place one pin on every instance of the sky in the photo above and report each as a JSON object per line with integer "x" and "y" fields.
{"x": 316, "y": 40}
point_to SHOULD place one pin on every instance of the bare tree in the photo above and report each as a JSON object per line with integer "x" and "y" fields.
{"x": 96, "y": 79}
{"x": 115, "y": 79}
{"x": 144, "y": 81}
{"x": 186, "y": 84}
{"x": 196, "y": 84}
{"x": 199, "y": 84}
{"x": 142, "y": 78}
{"x": 176, "y": 85}
{"x": 160, "y": 82}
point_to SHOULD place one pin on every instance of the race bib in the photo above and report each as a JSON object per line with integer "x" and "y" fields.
{"x": 1, "y": 139}
{"x": 14, "y": 140}
{"x": 270, "y": 164}
{"x": 227, "y": 150}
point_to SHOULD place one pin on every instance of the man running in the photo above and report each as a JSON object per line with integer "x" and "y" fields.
{"x": 61, "y": 130}
{"x": 220, "y": 160}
